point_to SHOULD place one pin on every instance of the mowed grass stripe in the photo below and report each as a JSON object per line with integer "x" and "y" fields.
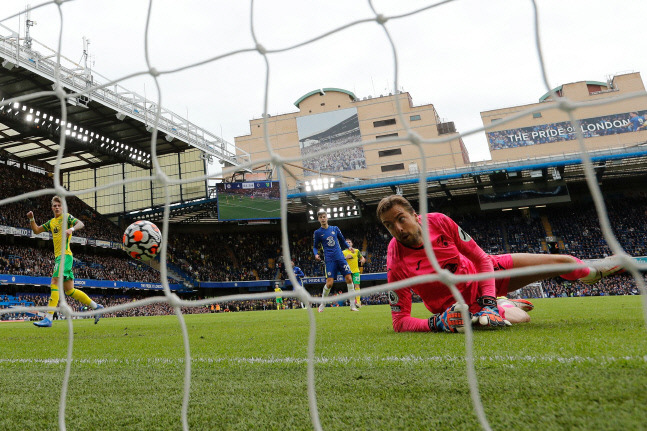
{"x": 365, "y": 361}
{"x": 580, "y": 364}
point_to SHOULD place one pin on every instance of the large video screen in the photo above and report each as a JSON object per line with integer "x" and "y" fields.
{"x": 253, "y": 200}
{"x": 331, "y": 130}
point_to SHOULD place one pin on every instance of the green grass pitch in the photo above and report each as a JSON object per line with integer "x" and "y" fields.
{"x": 581, "y": 364}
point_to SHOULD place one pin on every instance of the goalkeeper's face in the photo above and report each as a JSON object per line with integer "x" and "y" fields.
{"x": 403, "y": 225}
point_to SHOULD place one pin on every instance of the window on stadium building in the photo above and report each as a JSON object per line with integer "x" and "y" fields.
{"x": 395, "y": 167}
{"x": 390, "y": 135}
{"x": 392, "y": 152}
{"x": 536, "y": 115}
{"x": 382, "y": 123}
{"x": 414, "y": 118}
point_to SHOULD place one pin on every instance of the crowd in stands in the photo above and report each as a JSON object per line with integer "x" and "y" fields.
{"x": 580, "y": 229}
{"x": 621, "y": 284}
{"x": 38, "y": 262}
{"x": 247, "y": 256}
{"x": 16, "y": 180}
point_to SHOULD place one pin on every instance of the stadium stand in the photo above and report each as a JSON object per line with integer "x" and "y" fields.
{"x": 16, "y": 179}
{"x": 110, "y": 265}
{"x": 253, "y": 255}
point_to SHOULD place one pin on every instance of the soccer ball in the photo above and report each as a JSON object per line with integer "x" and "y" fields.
{"x": 142, "y": 240}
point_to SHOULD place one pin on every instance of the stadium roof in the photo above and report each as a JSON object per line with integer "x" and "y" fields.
{"x": 323, "y": 91}
{"x": 96, "y": 114}
{"x": 628, "y": 164}
{"x": 559, "y": 88}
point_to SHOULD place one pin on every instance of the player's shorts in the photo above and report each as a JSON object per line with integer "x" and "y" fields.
{"x": 67, "y": 270}
{"x": 333, "y": 266}
{"x": 356, "y": 278}
{"x": 279, "y": 300}
{"x": 502, "y": 262}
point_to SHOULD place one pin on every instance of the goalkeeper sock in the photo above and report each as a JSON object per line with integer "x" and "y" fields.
{"x": 53, "y": 300}
{"x": 578, "y": 273}
{"x": 82, "y": 298}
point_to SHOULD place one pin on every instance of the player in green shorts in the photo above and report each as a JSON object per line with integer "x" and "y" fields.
{"x": 353, "y": 257}
{"x": 279, "y": 300}
{"x": 55, "y": 226}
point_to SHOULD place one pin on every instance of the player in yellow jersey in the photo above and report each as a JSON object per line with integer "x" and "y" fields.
{"x": 353, "y": 257}
{"x": 279, "y": 299}
{"x": 55, "y": 226}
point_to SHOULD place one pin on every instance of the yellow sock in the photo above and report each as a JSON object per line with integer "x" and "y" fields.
{"x": 53, "y": 299}
{"x": 79, "y": 296}
{"x": 358, "y": 299}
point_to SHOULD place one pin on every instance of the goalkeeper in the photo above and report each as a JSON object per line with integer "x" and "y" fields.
{"x": 458, "y": 253}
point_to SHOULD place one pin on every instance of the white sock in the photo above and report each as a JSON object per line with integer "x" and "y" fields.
{"x": 93, "y": 305}
{"x": 351, "y": 287}
{"x": 326, "y": 291}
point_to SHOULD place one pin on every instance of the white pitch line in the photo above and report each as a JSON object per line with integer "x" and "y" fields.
{"x": 342, "y": 360}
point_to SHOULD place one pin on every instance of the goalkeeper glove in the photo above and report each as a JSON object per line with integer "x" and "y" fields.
{"x": 489, "y": 314}
{"x": 451, "y": 320}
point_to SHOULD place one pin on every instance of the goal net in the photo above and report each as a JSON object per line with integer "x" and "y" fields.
{"x": 392, "y": 35}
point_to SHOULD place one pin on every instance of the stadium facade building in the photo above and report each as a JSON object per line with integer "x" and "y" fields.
{"x": 542, "y": 129}
{"x": 333, "y": 117}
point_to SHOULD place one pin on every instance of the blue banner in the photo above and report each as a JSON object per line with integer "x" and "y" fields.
{"x": 615, "y": 124}
{"x": 253, "y": 285}
{"x": 106, "y": 284}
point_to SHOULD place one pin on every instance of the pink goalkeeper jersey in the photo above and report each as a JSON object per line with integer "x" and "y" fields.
{"x": 456, "y": 251}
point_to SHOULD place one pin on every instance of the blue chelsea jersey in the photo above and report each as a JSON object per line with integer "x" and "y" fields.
{"x": 332, "y": 241}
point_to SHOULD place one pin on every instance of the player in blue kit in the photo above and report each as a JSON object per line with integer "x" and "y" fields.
{"x": 635, "y": 122}
{"x": 332, "y": 241}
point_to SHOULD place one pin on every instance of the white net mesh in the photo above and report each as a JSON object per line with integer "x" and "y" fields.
{"x": 261, "y": 43}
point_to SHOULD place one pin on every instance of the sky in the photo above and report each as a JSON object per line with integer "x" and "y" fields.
{"x": 463, "y": 56}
